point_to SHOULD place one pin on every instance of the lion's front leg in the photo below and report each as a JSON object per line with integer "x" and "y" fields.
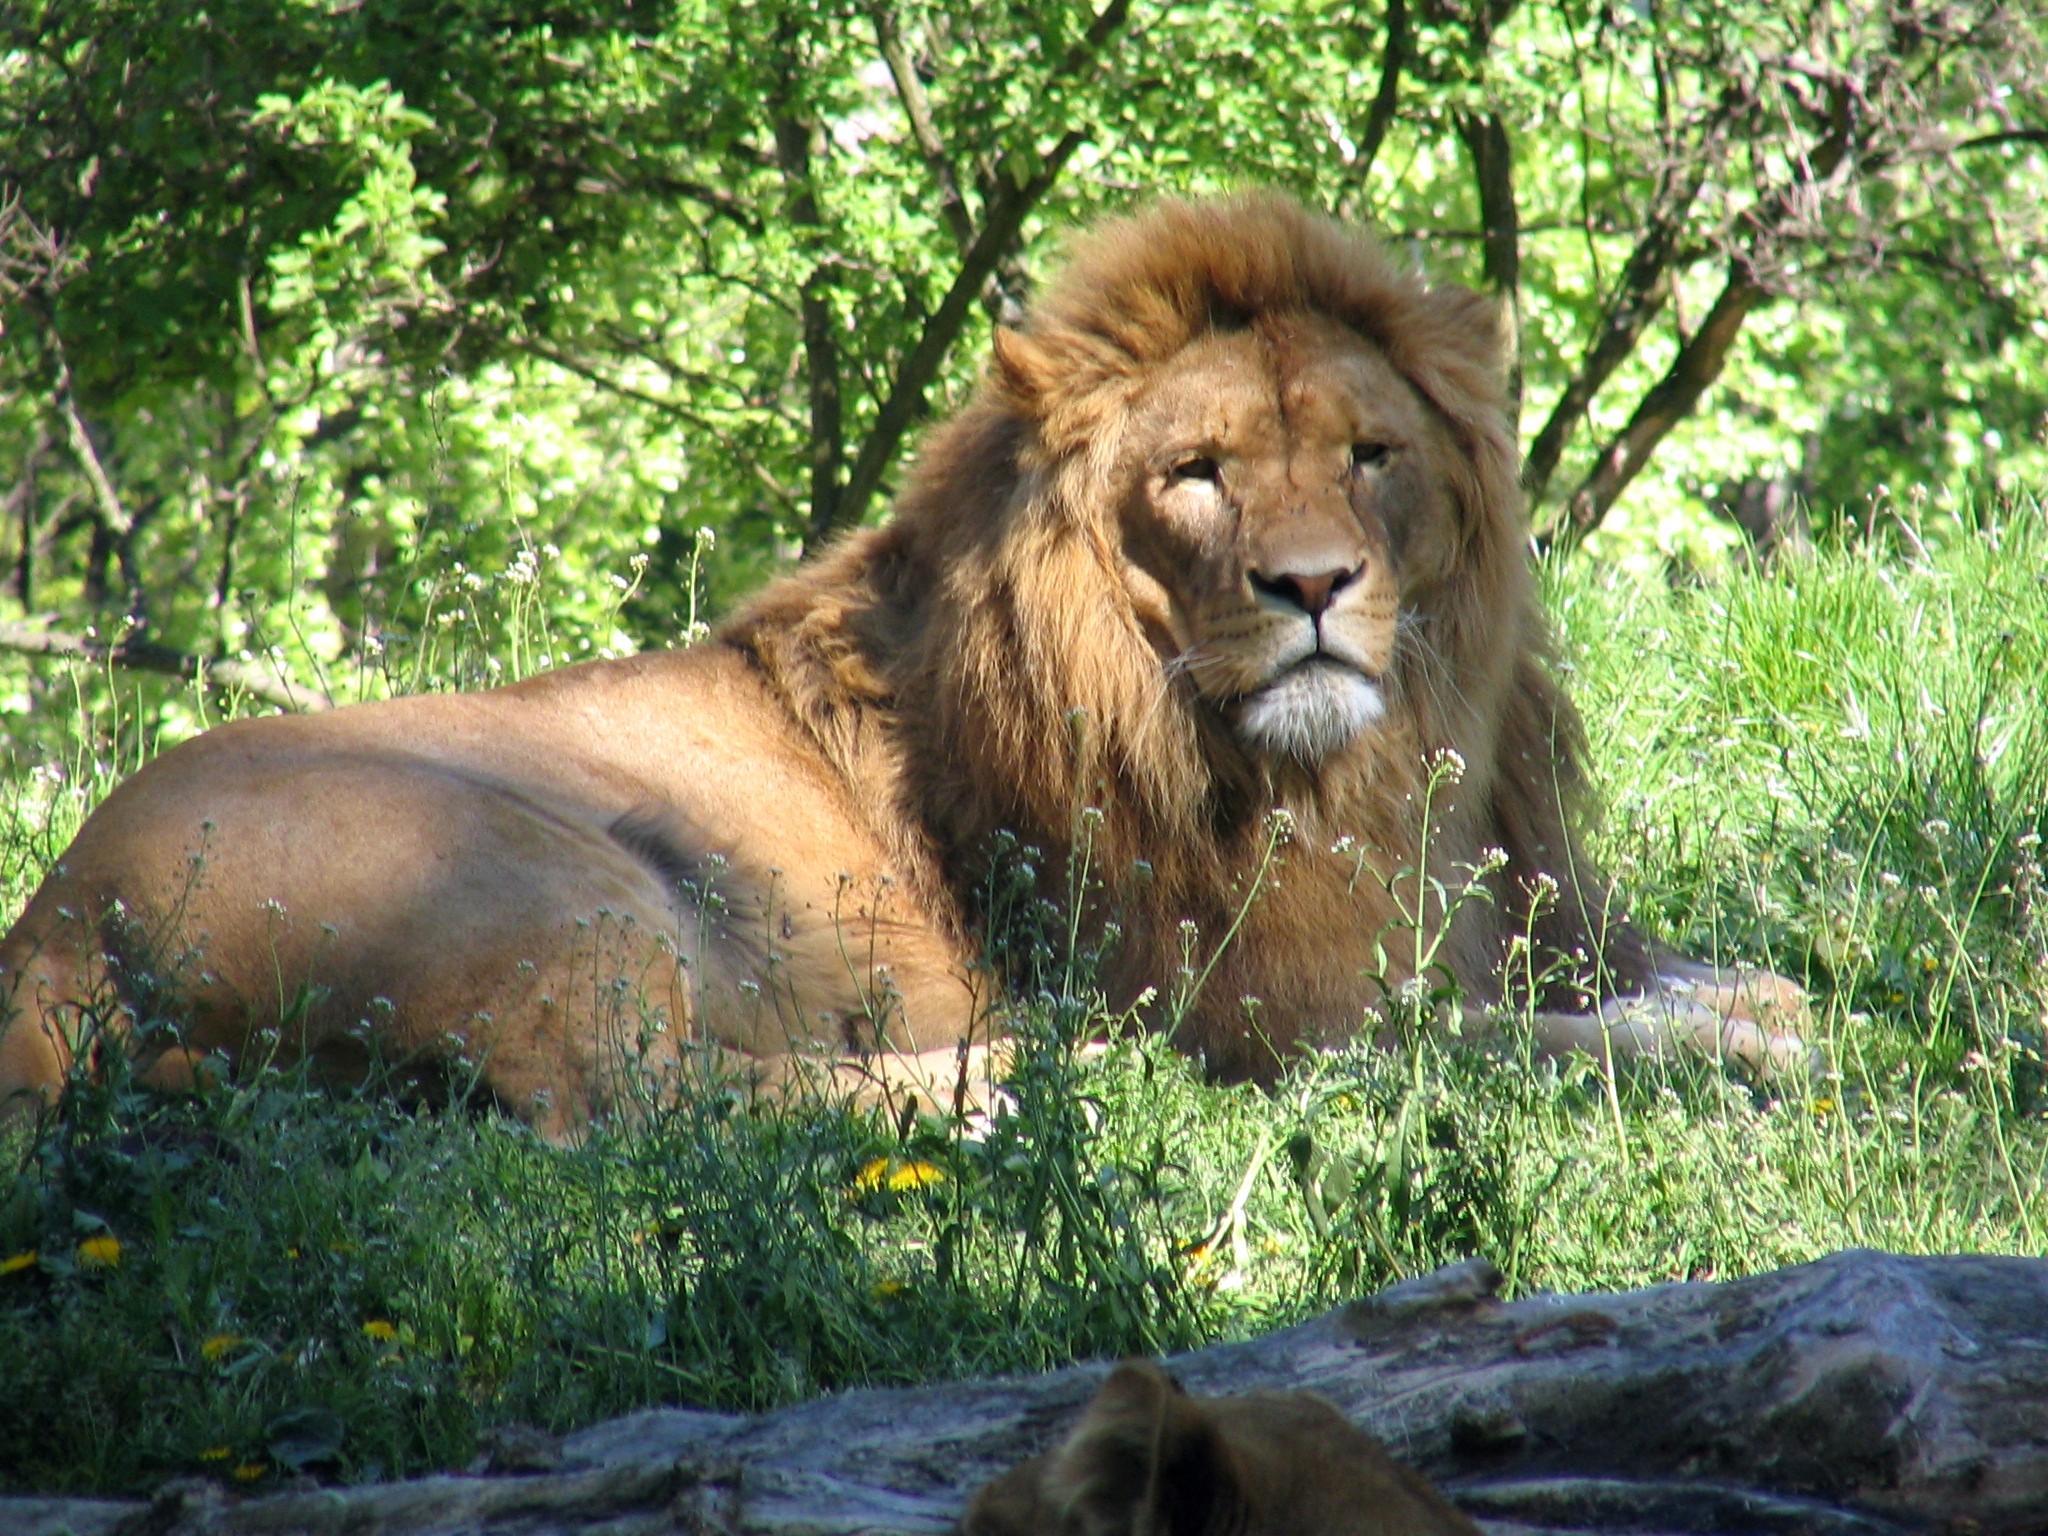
{"x": 1596, "y": 982}
{"x": 1749, "y": 1018}
{"x": 1755, "y": 1016}
{"x": 963, "y": 1080}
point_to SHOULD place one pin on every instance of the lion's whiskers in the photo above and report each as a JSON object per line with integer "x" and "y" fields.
{"x": 1193, "y": 660}
{"x": 1415, "y": 661}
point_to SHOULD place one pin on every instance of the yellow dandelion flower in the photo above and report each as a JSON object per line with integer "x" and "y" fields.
{"x": 1823, "y": 1107}
{"x": 102, "y": 1252}
{"x": 917, "y": 1176}
{"x": 382, "y": 1331}
{"x": 250, "y": 1471}
{"x": 15, "y": 1263}
{"x": 882, "y": 1290}
{"x": 882, "y": 1173}
{"x": 216, "y": 1453}
{"x": 219, "y": 1346}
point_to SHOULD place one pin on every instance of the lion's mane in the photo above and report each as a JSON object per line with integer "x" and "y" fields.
{"x": 976, "y": 665}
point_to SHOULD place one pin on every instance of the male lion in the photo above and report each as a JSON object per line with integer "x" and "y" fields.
{"x": 1147, "y": 1460}
{"x": 1215, "y": 594}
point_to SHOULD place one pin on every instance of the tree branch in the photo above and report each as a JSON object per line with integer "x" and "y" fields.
{"x": 1380, "y": 116}
{"x": 1637, "y": 296}
{"x": 2010, "y": 136}
{"x": 674, "y": 408}
{"x": 19, "y": 506}
{"x": 917, "y": 108}
{"x": 794, "y": 142}
{"x": 906, "y": 400}
{"x": 723, "y": 204}
{"x": 1107, "y": 21}
{"x": 141, "y": 655}
{"x": 113, "y": 517}
{"x": 1008, "y": 204}
{"x": 1705, "y": 352}
{"x": 1670, "y": 401}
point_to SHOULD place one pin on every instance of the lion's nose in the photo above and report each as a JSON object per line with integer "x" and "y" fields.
{"x": 1311, "y": 592}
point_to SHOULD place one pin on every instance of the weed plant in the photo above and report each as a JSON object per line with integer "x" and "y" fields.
{"x": 1839, "y": 769}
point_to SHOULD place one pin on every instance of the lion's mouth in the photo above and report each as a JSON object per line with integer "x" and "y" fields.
{"x": 1316, "y": 707}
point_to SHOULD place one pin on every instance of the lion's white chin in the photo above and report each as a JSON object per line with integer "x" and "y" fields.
{"x": 1311, "y": 711}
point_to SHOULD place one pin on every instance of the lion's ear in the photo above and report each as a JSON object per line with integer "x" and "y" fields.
{"x": 1024, "y": 367}
{"x": 1469, "y": 338}
{"x": 1067, "y": 382}
{"x": 1146, "y": 1460}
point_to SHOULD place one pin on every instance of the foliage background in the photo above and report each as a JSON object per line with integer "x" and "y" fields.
{"x": 326, "y": 324}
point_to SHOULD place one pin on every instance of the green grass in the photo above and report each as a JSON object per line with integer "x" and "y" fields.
{"x": 1839, "y": 769}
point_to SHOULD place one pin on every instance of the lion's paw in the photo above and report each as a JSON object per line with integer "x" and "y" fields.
{"x": 1740, "y": 1014}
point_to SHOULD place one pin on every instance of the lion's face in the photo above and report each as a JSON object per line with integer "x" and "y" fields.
{"x": 1287, "y": 502}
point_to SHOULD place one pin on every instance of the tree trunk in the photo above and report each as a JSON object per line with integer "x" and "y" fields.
{"x": 1493, "y": 175}
{"x": 1864, "y": 1394}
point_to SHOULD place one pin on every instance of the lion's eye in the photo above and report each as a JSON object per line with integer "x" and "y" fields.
{"x": 1369, "y": 455}
{"x": 1198, "y": 467}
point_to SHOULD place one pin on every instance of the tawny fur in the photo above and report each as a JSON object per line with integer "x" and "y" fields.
{"x": 1074, "y": 630}
{"x": 1146, "y": 1459}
